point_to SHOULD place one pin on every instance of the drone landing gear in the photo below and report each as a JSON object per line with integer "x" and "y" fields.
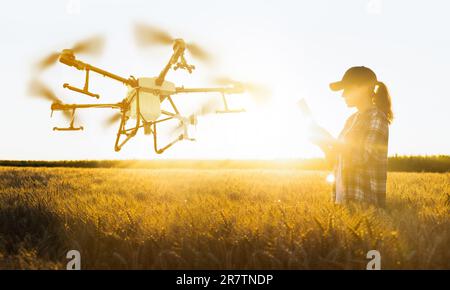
{"x": 129, "y": 133}
{"x": 227, "y": 109}
{"x": 149, "y": 128}
{"x": 71, "y": 127}
{"x": 85, "y": 89}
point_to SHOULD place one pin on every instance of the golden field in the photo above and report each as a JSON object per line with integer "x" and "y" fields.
{"x": 184, "y": 218}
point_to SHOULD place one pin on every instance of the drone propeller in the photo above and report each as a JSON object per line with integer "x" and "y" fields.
{"x": 207, "y": 108}
{"x": 91, "y": 45}
{"x": 113, "y": 119}
{"x": 39, "y": 89}
{"x": 150, "y": 35}
{"x": 259, "y": 93}
{"x": 197, "y": 52}
{"x": 175, "y": 131}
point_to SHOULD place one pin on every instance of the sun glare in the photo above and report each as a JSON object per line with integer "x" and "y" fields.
{"x": 330, "y": 178}
{"x": 270, "y": 132}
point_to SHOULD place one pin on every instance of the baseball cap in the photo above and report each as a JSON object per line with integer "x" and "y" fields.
{"x": 357, "y": 75}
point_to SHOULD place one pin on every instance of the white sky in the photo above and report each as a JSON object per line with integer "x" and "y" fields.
{"x": 294, "y": 47}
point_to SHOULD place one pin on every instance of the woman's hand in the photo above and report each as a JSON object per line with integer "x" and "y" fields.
{"x": 317, "y": 135}
{"x": 321, "y": 137}
{"x": 325, "y": 141}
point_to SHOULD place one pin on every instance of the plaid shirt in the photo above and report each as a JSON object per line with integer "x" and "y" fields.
{"x": 363, "y": 160}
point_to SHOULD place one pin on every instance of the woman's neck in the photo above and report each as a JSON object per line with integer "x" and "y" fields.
{"x": 363, "y": 106}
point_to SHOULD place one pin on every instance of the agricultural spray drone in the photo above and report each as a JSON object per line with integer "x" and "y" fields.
{"x": 142, "y": 104}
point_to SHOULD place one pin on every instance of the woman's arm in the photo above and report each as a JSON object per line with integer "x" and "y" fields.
{"x": 325, "y": 141}
{"x": 318, "y": 135}
{"x": 373, "y": 145}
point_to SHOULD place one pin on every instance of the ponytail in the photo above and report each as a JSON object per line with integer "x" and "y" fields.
{"x": 382, "y": 100}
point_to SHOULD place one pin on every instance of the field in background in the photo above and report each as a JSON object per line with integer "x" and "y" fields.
{"x": 436, "y": 163}
{"x": 215, "y": 219}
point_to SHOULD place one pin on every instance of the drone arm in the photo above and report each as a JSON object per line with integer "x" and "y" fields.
{"x": 65, "y": 107}
{"x": 163, "y": 73}
{"x": 223, "y": 91}
{"x": 73, "y": 107}
{"x": 173, "y": 59}
{"x": 131, "y": 82}
{"x": 229, "y": 90}
{"x": 70, "y": 60}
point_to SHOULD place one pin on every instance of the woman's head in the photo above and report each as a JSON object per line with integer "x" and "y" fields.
{"x": 360, "y": 86}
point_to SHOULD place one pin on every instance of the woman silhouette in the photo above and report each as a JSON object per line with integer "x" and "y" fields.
{"x": 359, "y": 154}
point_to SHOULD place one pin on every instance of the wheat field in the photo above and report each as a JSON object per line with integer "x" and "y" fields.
{"x": 216, "y": 219}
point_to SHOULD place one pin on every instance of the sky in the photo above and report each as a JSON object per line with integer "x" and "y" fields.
{"x": 295, "y": 48}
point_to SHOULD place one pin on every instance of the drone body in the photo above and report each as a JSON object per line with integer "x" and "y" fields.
{"x": 142, "y": 104}
{"x": 149, "y": 98}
